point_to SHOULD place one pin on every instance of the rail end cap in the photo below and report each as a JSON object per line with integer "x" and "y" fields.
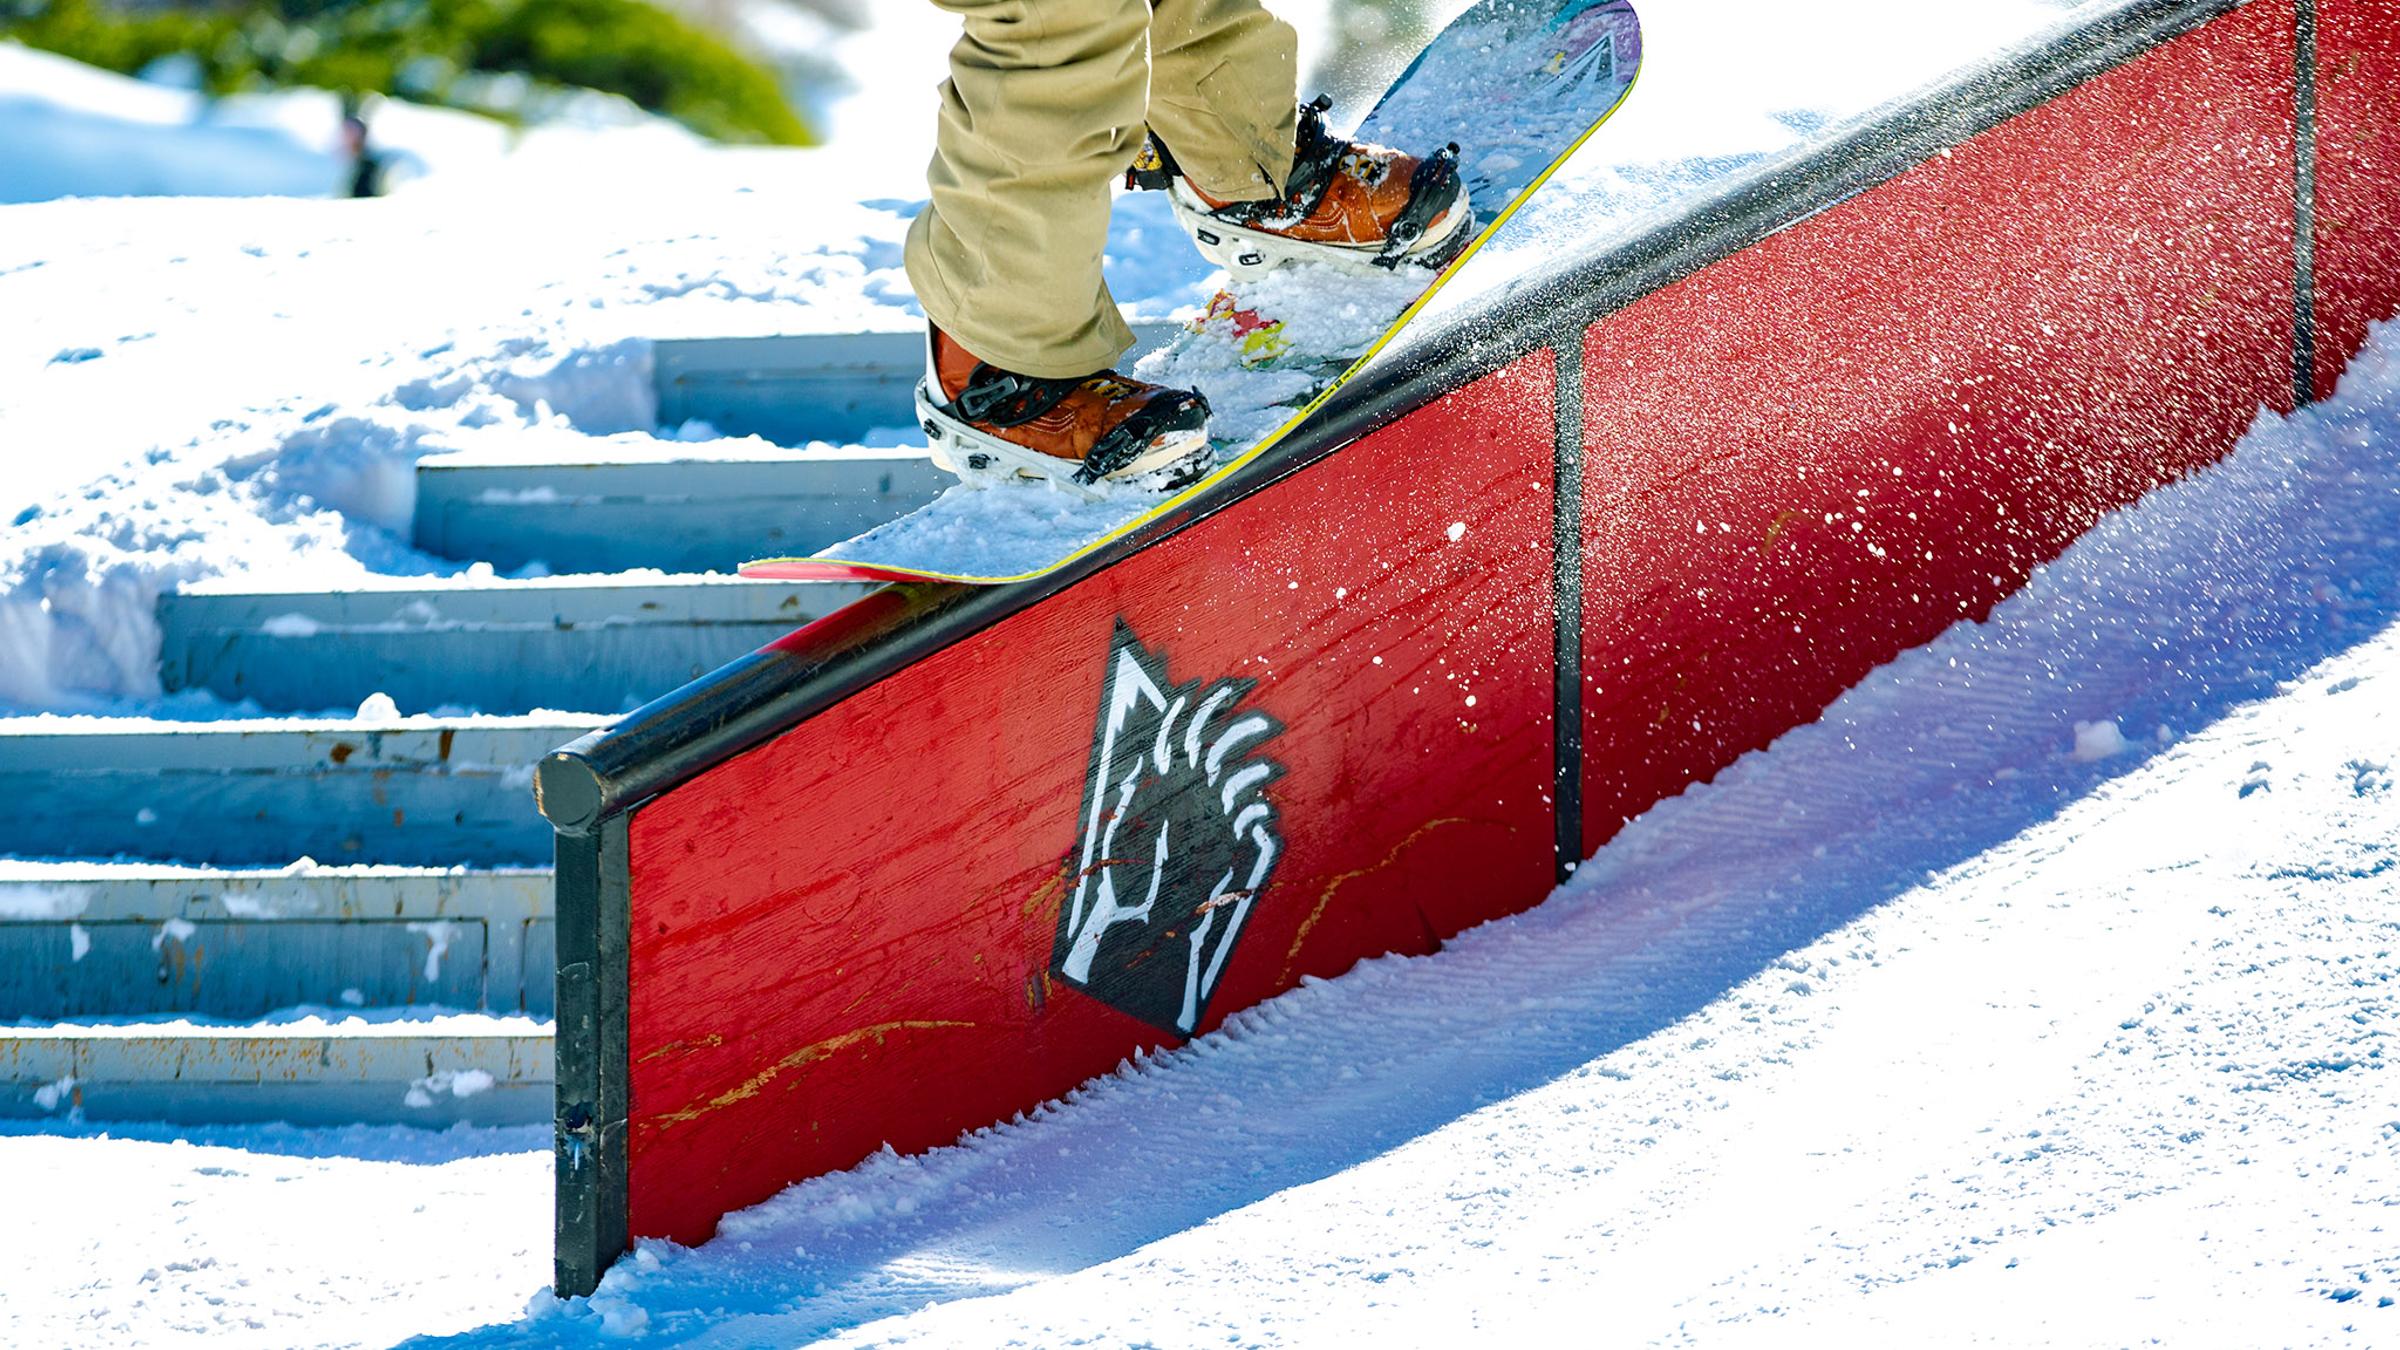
{"x": 567, "y": 791}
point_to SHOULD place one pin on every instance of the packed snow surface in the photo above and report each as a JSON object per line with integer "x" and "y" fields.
{"x": 2034, "y": 995}
{"x": 1928, "y": 1025}
{"x": 268, "y": 1236}
{"x": 74, "y": 131}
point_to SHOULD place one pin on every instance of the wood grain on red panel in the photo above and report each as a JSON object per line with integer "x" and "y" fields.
{"x": 882, "y": 965}
{"x": 2358, "y": 176}
{"x": 1828, "y": 447}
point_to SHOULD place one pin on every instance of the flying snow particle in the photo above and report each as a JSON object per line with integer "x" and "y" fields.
{"x": 1457, "y": 530}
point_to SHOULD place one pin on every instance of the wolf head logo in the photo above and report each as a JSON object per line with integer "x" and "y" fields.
{"x": 1178, "y": 840}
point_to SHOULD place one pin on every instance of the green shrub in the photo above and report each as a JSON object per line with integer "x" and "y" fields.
{"x": 440, "y": 51}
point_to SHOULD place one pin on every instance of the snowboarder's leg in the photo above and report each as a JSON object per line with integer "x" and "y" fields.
{"x": 1224, "y": 80}
{"x": 1257, "y": 179}
{"x": 1042, "y": 108}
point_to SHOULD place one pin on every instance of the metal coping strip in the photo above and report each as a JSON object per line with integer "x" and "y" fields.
{"x": 1566, "y": 599}
{"x": 2304, "y": 204}
{"x": 673, "y": 738}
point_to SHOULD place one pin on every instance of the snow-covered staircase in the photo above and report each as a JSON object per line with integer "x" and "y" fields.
{"x": 424, "y": 791}
{"x": 497, "y": 646}
{"x": 691, "y": 515}
{"x": 326, "y": 917}
{"x": 258, "y": 971}
{"x": 134, "y": 938}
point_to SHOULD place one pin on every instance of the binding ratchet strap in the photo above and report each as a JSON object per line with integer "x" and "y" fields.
{"x": 1432, "y": 189}
{"x": 1129, "y": 440}
{"x": 1003, "y": 398}
{"x": 1316, "y": 158}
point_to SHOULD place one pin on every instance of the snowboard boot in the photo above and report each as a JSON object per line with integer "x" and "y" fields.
{"x": 1355, "y": 205}
{"x": 990, "y": 425}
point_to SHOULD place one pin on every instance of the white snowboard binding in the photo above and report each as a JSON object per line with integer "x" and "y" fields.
{"x": 1150, "y": 439}
{"x": 1356, "y": 206}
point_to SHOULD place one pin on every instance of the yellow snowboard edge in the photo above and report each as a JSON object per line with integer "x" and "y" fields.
{"x": 764, "y": 567}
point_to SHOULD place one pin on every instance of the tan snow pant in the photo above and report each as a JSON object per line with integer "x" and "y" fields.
{"x": 1045, "y": 106}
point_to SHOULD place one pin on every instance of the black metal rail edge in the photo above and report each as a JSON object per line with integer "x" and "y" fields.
{"x": 675, "y": 737}
{"x": 2304, "y": 204}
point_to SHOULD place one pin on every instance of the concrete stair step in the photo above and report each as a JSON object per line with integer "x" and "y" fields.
{"x": 703, "y": 512}
{"x": 598, "y": 644}
{"x": 832, "y": 387}
{"x": 84, "y": 940}
{"x": 314, "y": 1071}
{"x": 418, "y": 791}
{"x": 695, "y": 515}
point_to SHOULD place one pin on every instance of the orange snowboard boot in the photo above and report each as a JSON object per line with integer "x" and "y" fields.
{"x": 1348, "y": 203}
{"x": 987, "y": 424}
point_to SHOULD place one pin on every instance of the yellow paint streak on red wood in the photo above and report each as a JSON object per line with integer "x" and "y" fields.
{"x": 709, "y": 1042}
{"x": 1775, "y": 529}
{"x": 1325, "y": 900}
{"x": 1048, "y": 896}
{"x": 805, "y": 1055}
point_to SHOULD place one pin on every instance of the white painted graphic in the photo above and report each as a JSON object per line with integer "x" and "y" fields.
{"x": 1178, "y": 840}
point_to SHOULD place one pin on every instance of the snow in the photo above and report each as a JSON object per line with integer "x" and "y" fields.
{"x": 33, "y": 902}
{"x": 2098, "y": 740}
{"x": 448, "y": 1082}
{"x": 1678, "y": 141}
{"x": 251, "y": 382}
{"x": 1915, "y": 1028}
{"x": 75, "y": 131}
{"x": 421, "y": 1020}
{"x": 179, "y": 930}
{"x": 1800, "y": 78}
{"x": 377, "y": 709}
{"x": 2035, "y": 994}
{"x": 269, "y": 1237}
{"x": 438, "y": 935}
{"x": 271, "y": 381}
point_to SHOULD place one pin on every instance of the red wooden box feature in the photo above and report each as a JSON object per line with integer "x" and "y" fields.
{"x": 888, "y": 962}
{"x": 2358, "y": 176}
{"x": 1828, "y": 447}
{"x": 949, "y": 853}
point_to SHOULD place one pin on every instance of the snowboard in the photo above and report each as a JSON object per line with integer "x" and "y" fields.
{"x": 1518, "y": 85}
